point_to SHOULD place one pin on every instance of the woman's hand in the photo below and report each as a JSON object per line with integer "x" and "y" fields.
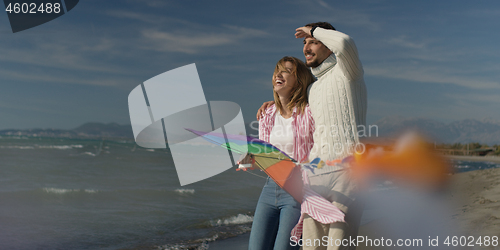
{"x": 262, "y": 109}
{"x": 246, "y": 159}
{"x": 246, "y": 162}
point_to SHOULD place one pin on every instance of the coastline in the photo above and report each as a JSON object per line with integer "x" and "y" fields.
{"x": 495, "y": 159}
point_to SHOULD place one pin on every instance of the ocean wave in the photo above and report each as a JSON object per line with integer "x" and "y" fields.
{"x": 183, "y": 191}
{"x": 222, "y": 229}
{"x": 61, "y": 147}
{"x": 18, "y": 147}
{"x": 65, "y": 191}
{"x": 89, "y": 153}
{"x": 59, "y": 190}
{"x": 234, "y": 220}
{"x": 36, "y": 146}
{"x": 461, "y": 166}
{"x": 186, "y": 246}
{"x": 18, "y": 137}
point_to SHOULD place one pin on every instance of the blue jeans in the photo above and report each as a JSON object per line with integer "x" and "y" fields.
{"x": 275, "y": 216}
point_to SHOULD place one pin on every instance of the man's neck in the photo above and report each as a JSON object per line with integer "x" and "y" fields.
{"x": 324, "y": 67}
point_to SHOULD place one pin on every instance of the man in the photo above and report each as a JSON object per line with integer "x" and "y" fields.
{"x": 338, "y": 105}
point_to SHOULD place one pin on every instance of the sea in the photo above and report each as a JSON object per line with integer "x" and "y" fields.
{"x": 109, "y": 194}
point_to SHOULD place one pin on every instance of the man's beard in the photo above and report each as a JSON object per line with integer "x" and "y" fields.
{"x": 313, "y": 64}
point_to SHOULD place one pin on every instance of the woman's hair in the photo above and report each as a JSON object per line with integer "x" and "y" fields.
{"x": 299, "y": 92}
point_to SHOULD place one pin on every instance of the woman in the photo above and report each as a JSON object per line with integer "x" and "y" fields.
{"x": 289, "y": 126}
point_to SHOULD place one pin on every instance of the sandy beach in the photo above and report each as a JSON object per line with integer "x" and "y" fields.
{"x": 469, "y": 208}
{"x": 477, "y": 196}
{"x": 473, "y": 209}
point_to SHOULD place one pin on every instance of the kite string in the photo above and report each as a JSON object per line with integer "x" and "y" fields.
{"x": 265, "y": 177}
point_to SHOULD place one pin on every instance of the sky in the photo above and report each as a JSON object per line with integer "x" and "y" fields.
{"x": 430, "y": 59}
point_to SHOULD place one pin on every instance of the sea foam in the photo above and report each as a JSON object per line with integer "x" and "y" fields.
{"x": 184, "y": 191}
{"x": 234, "y": 220}
{"x": 36, "y": 146}
{"x": 57, "y": 190}
{"x": 65, "y": 191}
{"x": 61, "y": 147}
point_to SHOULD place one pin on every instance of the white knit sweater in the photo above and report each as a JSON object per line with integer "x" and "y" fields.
{"x": 337, "y": 99}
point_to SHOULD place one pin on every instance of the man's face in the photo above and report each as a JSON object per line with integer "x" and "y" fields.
{"x": 315, "y": 52}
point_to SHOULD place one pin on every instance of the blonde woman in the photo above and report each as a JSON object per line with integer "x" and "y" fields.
{"x": 289, "y": 126}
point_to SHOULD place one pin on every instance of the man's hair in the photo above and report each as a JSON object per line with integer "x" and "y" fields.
{"x": 299, "y": 92}
{"x": 323, "y": 25}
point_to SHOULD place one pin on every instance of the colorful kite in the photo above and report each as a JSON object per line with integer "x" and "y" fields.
{"x": 275, "y": 163}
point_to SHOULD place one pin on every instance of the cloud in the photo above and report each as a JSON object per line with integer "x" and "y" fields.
{"x": 433, "y": 60}
{"x": 156, "y": 3}
{"x": 184, "y": 36}
{"x": 73, "y": 53}
{"x": 148, "y": 18}
{"x": 152, "y": 3}
{"x": 50, "y": 77}
{"x": 76, "y": 59}
{"x": 344, "y": 16}
{"x": 81, "y": 57}
{"x": 478, "y": 99}
{"x": 192, "y": 42}
{"x": 484, "y": 13}
{"x": 404, "y": 42}
{"x": 470, "y": 105}
{"x": 130, "y": 15}
{"x": 456, "y": 107}
{"x": 186, "y": 43}
{"x": 430, "y": 74}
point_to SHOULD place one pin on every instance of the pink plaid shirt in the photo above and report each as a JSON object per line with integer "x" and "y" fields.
{"x": 316, "y": 206}
{"x": 313, "y": 204}
{"x": 303, "y": 129}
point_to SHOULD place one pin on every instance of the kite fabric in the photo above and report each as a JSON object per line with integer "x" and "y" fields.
{"x": 275, "y": 163}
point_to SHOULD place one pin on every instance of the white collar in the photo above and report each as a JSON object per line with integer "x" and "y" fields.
{"x": 326, "y": 65}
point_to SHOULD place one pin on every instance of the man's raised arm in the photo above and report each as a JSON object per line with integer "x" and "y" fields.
{"x": 341, "y": 45}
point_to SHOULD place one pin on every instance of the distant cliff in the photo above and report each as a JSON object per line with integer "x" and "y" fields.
{"x": 486, "y": 131}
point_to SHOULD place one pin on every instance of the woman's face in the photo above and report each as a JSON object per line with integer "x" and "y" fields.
{"x": 284, "y": 81}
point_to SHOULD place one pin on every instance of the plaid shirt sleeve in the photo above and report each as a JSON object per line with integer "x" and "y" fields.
{"x": 304, "y": 129}
{"x": 266, "y": 123}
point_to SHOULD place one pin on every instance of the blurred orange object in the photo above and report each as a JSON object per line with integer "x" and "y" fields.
{"x": 412, "y": 162}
